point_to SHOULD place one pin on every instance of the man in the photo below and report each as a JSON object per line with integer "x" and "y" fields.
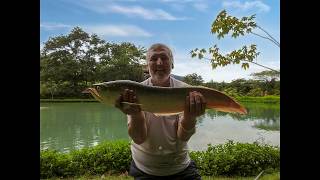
{"x": 159, "y": 148}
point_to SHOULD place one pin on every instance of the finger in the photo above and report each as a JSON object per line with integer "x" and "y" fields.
{"x": 118, "y": 101}
{"x": 187, "y": 104}
{"x": 197, "y": 104}
{"x": 130, "y": 96}
{"x": 126, "y": 95}
{"x": 135, "y": 99}
{"x": 130, "y": 109}
{"x": 203, "y": 104}
{"x": 192, "y": 103}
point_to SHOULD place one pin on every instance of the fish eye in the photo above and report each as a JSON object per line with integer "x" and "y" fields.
{"x": 98, "y": 87}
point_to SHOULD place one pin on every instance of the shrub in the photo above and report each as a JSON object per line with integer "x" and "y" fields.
{"x": 237, "y": 159}
{"x": 114, "y": 157}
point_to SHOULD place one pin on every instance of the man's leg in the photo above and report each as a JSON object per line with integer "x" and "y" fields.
{"x": 137, "y": 174}
{"x": 190, "y": 173}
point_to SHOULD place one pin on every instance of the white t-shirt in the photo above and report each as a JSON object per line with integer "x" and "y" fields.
{"x": 162, "y": 153}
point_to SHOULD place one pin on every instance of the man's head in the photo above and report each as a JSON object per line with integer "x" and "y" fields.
{"x": 160, "y": 61}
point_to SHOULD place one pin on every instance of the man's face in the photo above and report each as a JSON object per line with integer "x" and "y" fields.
{"x": 159, "y": 64}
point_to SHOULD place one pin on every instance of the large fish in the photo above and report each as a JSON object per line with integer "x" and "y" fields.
{"x": 163, "y": 100}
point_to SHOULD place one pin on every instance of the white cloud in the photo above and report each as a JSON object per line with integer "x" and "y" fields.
{"x": 53, "y": 26}
{"x": 109, "y": 30}
{"x": 130, "y": 11}
{"x": 117, "y": 30}
{"x": 247, "y": 5}
{"x": 156, "y": 14}
{"x": 180, "y": 1}
{"x": 200, "y": 6}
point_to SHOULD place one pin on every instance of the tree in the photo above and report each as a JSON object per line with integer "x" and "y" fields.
{"x": 224, "y": 24}
{"x": 70, "y": 57}
{"x": 269, "y": 80}
{"x": 266, "y": 75}
{"x": 120, "y": 58}
{"x": 193, "y": 79}
{"x": 231, "y": 91}
{"x": 69, "y": 63}
{"x": 241, "y": 85}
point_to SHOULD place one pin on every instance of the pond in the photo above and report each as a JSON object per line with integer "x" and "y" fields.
{"x": 68, "y": 126}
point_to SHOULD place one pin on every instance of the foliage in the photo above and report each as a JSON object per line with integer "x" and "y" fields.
{"x": 231, "y": 92}
{"x": 70, "y": 63}
{"x": 255, "y": 92}
{"x": 239, "y": 159}
{"x": 105, "y": 157}
{"x": 225, "y": 24}
{"x": 193, "y": 79}
{"x": 264, "y": 99}
{"x": 230, "y": 159}
{"x": 251, "y": 87}
{"x": 266, "y": 75}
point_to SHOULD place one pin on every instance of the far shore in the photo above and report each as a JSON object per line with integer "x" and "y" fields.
{"x": 263, "y": 99}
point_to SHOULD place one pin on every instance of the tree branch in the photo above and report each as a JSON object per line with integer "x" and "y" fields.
{"x": 253, "y": 63}
{"x": 275, "y": 42}
{"x": 262, "y": 66}
{"x": 269, "y": 35}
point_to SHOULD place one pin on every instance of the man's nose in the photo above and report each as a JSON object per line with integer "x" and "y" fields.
{"x": 159, "y": 61}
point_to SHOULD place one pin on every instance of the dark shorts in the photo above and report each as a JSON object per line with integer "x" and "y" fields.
{"x": 190, "y": 173}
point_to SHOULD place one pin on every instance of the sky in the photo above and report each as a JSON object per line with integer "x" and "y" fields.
{"x": 183, "y": 25}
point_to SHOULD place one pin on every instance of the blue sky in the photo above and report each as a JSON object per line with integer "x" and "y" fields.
{"x": 181, "y": 24}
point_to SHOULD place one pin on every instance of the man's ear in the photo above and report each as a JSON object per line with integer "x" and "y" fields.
{"x": 172, "y": 66}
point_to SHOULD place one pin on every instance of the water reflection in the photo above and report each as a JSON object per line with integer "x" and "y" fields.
{"x": 67, "y": 126}
{"x": 261, "y": 124}
{"x": 266, "y": 116}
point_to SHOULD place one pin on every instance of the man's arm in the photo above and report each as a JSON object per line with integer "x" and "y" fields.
{"x": 195, "y": 106}
{"x": 137, "y": 126}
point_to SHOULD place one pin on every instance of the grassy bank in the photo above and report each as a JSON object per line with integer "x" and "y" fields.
{"x": 264, "y": 99}
{"x": 114, "y": 157}
{"x": 272, "y": 176}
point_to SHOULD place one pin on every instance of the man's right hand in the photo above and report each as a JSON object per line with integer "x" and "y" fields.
{"x": 128, "y": 96}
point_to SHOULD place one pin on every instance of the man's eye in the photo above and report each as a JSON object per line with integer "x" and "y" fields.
{"x": 164, "y": 57}
{"x": 153, "y": 58}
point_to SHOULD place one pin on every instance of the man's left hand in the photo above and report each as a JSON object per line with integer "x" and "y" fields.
{"x": 195, "y": 105}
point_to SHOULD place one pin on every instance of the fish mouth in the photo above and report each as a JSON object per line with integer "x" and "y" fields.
{"x": 94, "y": 93}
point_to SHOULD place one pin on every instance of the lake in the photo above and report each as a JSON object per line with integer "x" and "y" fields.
{"x": 68, "y": 126}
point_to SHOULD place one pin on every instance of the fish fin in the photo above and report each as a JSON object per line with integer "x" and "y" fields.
{"x": 129, "y": 103}
{"x": 232, "y": 110}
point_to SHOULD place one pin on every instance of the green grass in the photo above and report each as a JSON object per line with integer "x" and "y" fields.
{"x": 264, "y": 99}
{"x": 273, "y": 176}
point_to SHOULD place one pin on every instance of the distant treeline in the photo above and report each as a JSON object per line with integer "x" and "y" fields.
{"x": 70, "y": 63}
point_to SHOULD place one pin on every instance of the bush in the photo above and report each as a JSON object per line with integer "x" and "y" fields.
{"x": 113, "y": 156}
{"x": 237, "y": 159}
{"x": 255, "y": 92}
{"x": 231, "y": 159}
